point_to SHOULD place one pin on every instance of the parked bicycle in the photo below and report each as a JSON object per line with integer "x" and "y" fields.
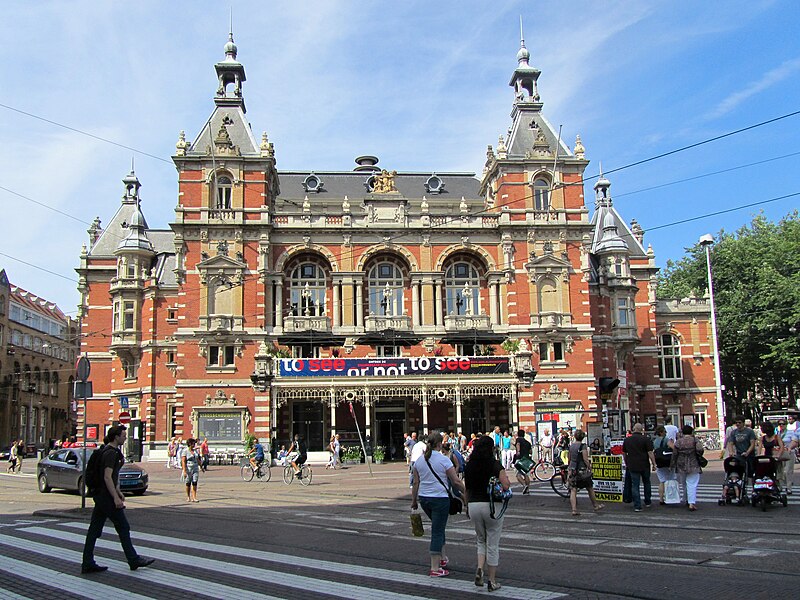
{"x": 543, "y": 470}
{"x": 263, "y": 473}
{"x": 289, "y": 475}
{"x": 560, "y": 481}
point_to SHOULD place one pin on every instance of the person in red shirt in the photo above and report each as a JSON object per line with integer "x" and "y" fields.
{"x": 204, "y": 454}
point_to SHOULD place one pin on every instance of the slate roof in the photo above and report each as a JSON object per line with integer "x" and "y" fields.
{"x": 37, "y": 304}
{"x": 635, "y": 249}
{"x": 239, "y": 132}
{"x": 523, "y": 135}
{"x": 338, "y": 184}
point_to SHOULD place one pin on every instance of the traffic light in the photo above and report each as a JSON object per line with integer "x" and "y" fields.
{"x": 607, "y": 385}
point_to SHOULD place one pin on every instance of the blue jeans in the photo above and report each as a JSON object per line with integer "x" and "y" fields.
{"x": 636, "y": 477}
{"x": 104, "y": 509}
{"x": 437, "y": 509}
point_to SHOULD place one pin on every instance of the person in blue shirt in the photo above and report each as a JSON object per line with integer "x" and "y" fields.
{"x": 791, "y": 441}
{"x": 257, "y": 457}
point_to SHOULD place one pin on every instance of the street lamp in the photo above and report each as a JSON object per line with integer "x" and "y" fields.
{"x": 706, "y": 242}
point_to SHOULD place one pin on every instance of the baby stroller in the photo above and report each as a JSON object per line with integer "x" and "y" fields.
{"x": 735, "y": 478}
{"x": 765, "y": 484}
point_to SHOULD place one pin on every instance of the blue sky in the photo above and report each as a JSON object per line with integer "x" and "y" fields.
{"x": 422, "y": 85}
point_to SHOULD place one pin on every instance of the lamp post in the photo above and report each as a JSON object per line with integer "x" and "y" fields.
{"x": 706, "y": 242}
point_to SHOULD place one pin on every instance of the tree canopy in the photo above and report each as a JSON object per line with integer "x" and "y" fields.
{"x": 756, "y": 274}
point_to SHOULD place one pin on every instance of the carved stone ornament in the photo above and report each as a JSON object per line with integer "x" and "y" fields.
{"x": 383, "y": 182}
{"x": 220, "y": 399}
{"x": 222, "y": 248}
{"x": 554, "y": 394}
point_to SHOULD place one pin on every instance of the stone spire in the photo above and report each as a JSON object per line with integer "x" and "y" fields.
{"x": 525, "y": 76}
{"x": 230, "y": 71}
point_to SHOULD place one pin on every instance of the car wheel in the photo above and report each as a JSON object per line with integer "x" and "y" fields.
{"x": 43, "y": 487}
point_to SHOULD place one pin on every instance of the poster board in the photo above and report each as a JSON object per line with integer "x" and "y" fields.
{"x": 609, "y": 477}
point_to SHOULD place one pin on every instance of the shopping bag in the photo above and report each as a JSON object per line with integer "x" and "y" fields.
{"x": 416, "y": 524}
{"x": 672, "y": 494}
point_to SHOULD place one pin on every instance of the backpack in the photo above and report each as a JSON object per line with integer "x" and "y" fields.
{"x": 94, "y": 471}
{"x": 460, "y": 458}
{"x": 663, "y": 454}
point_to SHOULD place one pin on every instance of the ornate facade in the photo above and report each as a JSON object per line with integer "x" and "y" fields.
{"x": 37, "y": 357}
{"x": 275, "y": 301}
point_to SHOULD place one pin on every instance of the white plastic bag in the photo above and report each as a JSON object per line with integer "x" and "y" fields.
{"x": 672, "y": 493}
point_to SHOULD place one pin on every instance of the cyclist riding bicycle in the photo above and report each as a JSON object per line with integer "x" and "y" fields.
{"x": 298, "y": 454}
{"x": 257, "y": 457}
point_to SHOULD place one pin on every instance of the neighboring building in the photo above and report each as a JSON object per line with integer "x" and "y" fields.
{"x": 393, "y": 293}
{"x": 37, "y": 357}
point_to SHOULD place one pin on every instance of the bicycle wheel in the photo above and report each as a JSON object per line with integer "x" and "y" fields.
{"x": 544, "y": 471}
{"x": 560, "y": 484}
{"x": 288, "y": 475}
{"x": 266, "y": 473}
{"x": 305, "y": 475}
{"x": 247, "y": 473}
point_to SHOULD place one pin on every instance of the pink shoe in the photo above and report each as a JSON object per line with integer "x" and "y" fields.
{"x": 440, "y": 573}
{"x": 444, "y": 562}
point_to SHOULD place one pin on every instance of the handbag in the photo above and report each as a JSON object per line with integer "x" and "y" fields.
{"x": 663, "y": 454}
{"x": 456, "y": 505}
{"x": 417, "y": 530}
{"x": 497, "y": 494}
{"x": 583, "y": 474}
{"x": 702, "y": 460}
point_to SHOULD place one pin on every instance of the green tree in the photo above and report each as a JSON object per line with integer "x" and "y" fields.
{"x": 756, "y": 274}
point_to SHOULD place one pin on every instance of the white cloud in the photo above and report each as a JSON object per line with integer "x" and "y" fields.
{"x": 769, "y": 79}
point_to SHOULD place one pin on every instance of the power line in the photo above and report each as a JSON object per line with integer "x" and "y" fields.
{"x": 86, "y": 133}
{"x": 721, "y": 212}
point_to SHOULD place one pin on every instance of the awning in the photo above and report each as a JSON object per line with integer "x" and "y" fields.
{"x": 474, "y": 336}
{"x": 311, "y": 338}
{"x": 390, "y": 337}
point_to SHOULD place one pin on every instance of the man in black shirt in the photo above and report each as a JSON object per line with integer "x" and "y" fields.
{"x": 109, "y": 503}
{"x": 638, "y": 450}
{"x": 299, "y": 447}
{"x": 523, "y": 462}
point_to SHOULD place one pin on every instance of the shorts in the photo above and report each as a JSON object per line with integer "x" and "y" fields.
{"x": 301, "y": 459}
{"x": 192, "y": 477}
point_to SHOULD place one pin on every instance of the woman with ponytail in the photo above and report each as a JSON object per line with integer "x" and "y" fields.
{"x": 433, "y": 475}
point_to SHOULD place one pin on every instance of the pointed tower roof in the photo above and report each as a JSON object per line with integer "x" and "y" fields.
{"x": 116, "y": 231}
{"x": 609, "y": 231}
{"x": 524, "y": 78}
{"x": 137, "y": 236}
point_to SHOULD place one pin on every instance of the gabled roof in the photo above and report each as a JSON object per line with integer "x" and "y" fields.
{"x": 635, "y": 249}
{"x": 238, "y": 129}
{"x": 114, "y": 233}
{"x": 37, "y": 304}
{"x": 524, "y": 131}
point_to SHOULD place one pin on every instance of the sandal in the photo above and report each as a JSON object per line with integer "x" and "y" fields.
{"x": 440, "y": 573}
{"x": 575, "y": 513}
{"x": 479, "y": 577}
{"x": 599, "y": 507}
{"x": 444, "y": 562}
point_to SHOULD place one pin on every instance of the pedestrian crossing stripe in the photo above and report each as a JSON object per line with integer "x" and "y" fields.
{"x": 707, "y": 492}
{"x": 274, "y": 573}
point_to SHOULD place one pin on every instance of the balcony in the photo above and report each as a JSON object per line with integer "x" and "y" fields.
{"x": 118, "y": 284}
{"x": 466, "y": 322}
{"x": 383, "y": 322}
{"x": 221, "y": 323}
{"x": 551, "y": 320}
{"x": 295, "y": 324}
{"x": 124, "y": 339}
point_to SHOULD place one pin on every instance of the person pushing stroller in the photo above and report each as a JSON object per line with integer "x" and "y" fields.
{"x": 735, "y": 477}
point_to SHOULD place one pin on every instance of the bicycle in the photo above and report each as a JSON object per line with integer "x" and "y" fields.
{"x": 263, "y": 472}
{"x": 544, "y": 470}
{"x": 560, "y": 482}
{"x": 289, "y": 475}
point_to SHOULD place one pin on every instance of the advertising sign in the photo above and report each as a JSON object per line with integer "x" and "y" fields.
{"x": 609, "y": 477}
{"x": 220, "y": 426}
{"x": 92, "y": 432}
{"x": 393, "y": 367}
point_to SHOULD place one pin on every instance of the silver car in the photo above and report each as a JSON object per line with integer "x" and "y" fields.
{"x": 63, "y": 469}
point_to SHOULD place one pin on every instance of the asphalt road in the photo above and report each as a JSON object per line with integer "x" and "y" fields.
{"x": 347, "y": 535}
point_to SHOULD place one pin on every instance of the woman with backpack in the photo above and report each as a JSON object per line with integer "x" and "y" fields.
{"x": 663, "y": 454}
{"x": 482, "y": 467}
{"x": 579, "y": 473}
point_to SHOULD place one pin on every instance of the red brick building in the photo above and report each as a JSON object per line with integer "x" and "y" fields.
{"x": 274, "y": 299}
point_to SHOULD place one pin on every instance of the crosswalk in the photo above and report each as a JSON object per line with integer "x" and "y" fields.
{"x": 46, "y": 556}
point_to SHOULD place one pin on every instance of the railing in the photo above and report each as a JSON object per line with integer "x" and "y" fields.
{"x": 551, "y": 319}
{"x": 465, "y": 322}
{"x": 307, "y": 323}
{"x": 382, "y": 322}
{"x": 127, "y": 284}
{"x": 221, "y": 322}
{"x": 125, "y": 338}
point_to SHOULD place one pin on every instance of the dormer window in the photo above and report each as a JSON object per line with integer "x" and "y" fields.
{"x": 541, "y": 194}
{"x": 434, "y": 185}
{"x": 224, "y": 187}
{"x": 312, "y": 183}
{"x": 370, "y": 183}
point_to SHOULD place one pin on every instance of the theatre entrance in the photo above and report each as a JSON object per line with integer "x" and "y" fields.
{"x": 390, "y": 423}
{"x": 307, "y": 420}
{"x": 473, "y": 417}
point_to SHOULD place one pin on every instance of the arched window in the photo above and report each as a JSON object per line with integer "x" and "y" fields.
{"x": 2, "y": 305}
{"x": 307, "y": 287}
{"x": 37, "y": 380}
{"x": 669, "y": 357}
{"x": 462, "y": 288}
{"x": 54, "y": 385}
{"x": 224, "y": 192}
{"x": 541, "y": 194}
{"x": 385, "y": 289}
{"x": 46, "y": 382}
{"x": 220, "y": 297}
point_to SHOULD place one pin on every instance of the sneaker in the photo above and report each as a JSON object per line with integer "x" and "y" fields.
{"x": 526, "y": 490}
{"x": 440, "y": 573}
{"x": 479, "y": 577}
{"x": 637, "y": 510}
{"x": 648, "y": 505}
{"x": 492, "y": 587}
{"x": 92, "y": 568}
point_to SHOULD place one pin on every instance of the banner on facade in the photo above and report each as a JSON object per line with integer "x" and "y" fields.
{"x": 393, "y": 367}
{"x": 608, "y": 477}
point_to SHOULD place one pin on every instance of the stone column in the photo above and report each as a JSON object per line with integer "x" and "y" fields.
{"x": 367, "y": 416}
{"x": 279, "y": 305}
{"x": 337, "y": 304}
{"x": 332, "y": 404}
{"x": 459, "y": 404}
{"x": 439, "y": 302}
{"x": 415, "y": 304}
{"x": 493, "y": 304}
{"x": 359, "y": 303}
{"x": 424, "y": 414}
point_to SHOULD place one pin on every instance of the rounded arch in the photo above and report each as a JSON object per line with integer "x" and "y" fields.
{"x": 220, "y": 172}
{"x": 387, "y": 277}
{"x": 476, "y": 252}
{"x": 549, "y": 294}
{"x": 376, "y": 252}
{"x": 296, "y": 251}
{"x": 308, "y": 277}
